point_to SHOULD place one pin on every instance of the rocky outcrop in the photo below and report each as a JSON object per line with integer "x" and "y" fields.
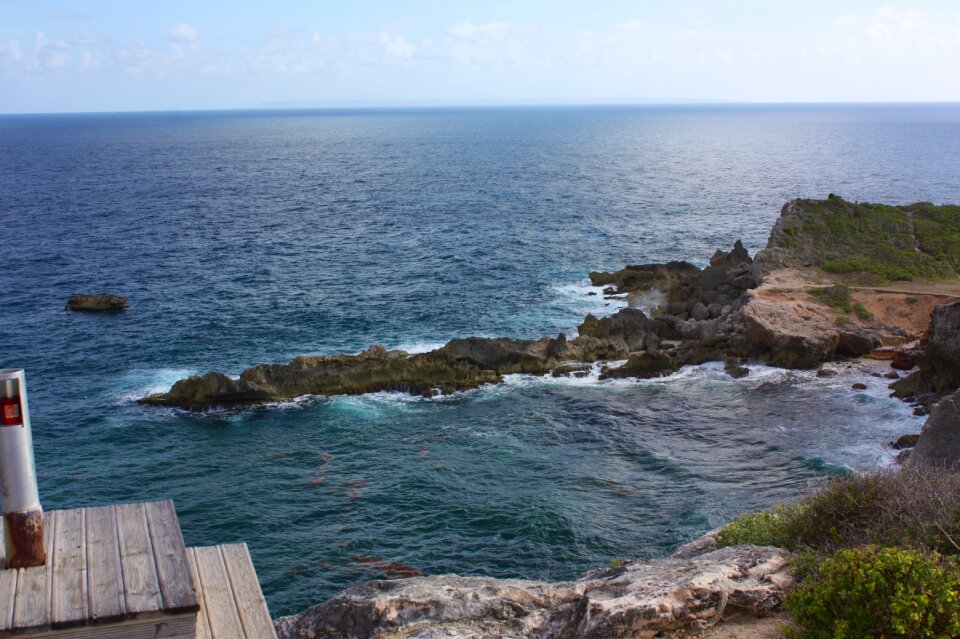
{"x": 638, "y": 599}
{"x": 375, "y": 369}
{"x": 100, "y": 303}
{"x": 939, "y": 362}
{"x": 939, "y": 443}
{"x": 643, "y": 277}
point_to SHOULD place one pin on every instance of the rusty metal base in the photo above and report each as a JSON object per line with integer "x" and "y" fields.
{"x": 24, "y": 538}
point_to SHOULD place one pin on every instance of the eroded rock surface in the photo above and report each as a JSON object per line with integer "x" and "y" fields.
{"x": 640, "y": 599}
{"x": 939, "y": 361}
{"x": 939, "y": 443}
{"x": 375, "y": 369}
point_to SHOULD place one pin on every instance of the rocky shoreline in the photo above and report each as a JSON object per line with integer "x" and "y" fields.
{"x": 797, "y": 304}
{"x": 733, "y": 310}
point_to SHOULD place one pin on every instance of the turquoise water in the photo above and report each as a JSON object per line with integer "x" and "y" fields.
{"x": 243, "y": 238}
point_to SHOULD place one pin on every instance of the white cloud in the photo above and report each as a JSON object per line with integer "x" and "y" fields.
{"x": 187, "y": 34}
{"x": 486, "y": 31}
{"x": 397, "y": 46}
{"x": 12, "y": 51}
{"x": 67, "y": 16}
{"x": 631, "y": 26}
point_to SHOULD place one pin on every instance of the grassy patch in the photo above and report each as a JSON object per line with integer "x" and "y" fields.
{"x": 862, "y": 311}
{"x": 919, "y": 241}
{"x": 841, "y": 320}
{"x": 837, "y": 297}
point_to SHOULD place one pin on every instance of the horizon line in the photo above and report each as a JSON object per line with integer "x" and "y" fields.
{"x": 341, "y": 105}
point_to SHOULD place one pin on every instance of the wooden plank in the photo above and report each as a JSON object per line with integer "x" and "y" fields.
{"x": 251, "y": 605}
{"x": 8, "y": 589}
{"x": 104, "y": 578}
{"x": 217, "y": 596}
{"x": 170, "y": 554}
{"x": 31, "y": 606}
{"x": 69, "y": 595}
{"x": 203, "y": 624}
{"x": 141, "y": 586}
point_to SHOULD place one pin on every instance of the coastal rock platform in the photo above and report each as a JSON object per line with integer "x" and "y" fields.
{"x": 672, "y": 597}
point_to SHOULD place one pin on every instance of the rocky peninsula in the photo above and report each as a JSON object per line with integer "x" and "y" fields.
{"x": 818, "y": 291}
{"x": 836, "y": 280}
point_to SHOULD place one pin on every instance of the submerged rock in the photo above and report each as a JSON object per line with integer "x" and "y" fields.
{"x": 644, "y": 365}
{"x": 905, "y": 441}
{"x": 100, "y": 303}
{"x": 639, "y": 599}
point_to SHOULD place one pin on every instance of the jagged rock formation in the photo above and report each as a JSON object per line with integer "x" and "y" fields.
{"x": 375, "y": 369}
{"x": 939, "y": 361}
{"x": 100, "y": 303}
{"x": 939, "y": 443}
{"x": 722, "y": 312}
{"x": 639, "y": 599}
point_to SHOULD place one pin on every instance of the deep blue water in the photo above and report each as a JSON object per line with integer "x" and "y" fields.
{"x": 249, "y": 237}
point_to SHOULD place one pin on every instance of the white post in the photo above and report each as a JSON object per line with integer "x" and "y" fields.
{"x": 22, "y": 515}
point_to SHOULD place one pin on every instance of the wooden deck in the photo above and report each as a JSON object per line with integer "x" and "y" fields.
{"x": 231, "y": 603}
{"x": 122, "y": 571}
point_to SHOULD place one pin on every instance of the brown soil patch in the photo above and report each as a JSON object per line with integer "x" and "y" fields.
{"x": 899, "y": 305}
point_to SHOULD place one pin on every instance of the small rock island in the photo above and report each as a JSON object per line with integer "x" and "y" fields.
{"x": 98, "y": 303}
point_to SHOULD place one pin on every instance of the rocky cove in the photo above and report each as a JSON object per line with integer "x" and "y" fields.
{"x": 777, "y": 308}
{"x": 737, "y": 309}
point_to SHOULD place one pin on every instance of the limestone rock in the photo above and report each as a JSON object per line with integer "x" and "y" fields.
{"x": 939, "y": 443}
{"x": 939, "y": 364}
{"x": 211, "y": 390}
{"x": 100, "y": 303}
{"x": 375, "y": 369}
{"x": 644, "y": 365}
{"x": 640, "y": 599}
{"x": 777, "y": 333}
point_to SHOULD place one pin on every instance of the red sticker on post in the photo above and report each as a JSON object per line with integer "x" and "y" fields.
{"x": 11, "y": 412}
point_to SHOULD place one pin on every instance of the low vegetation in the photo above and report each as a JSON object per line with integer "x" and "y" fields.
{"x": 876, "y": 555}
{"x": 874, "y": 241}
{"x": 840, "y": 299}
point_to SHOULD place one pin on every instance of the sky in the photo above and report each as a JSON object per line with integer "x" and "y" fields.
{"x": 106, "y": 55}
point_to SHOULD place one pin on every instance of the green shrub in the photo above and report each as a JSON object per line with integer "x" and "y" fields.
{"x": 862, "y": 311}
{"x": 764, "y": 528}
{"x": 841, "y": 320}
{"x": 892, "y": 507}
{"x": 836, "y": 297}
{"x": 873, "y": 592}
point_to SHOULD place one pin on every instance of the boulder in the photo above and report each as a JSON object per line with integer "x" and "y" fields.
{"x": 100, "y": 303}
{"x": 506, "y": 355}
{"x": 939, "y": 364}
{"x": 644, "y": 365}
{"x": 939, "y": 443}
{"x": 643, "y": 277}
{"x": 639, "y": 599}
{"x": 572, "y": 370}
{"x": 629, "y": 324}
{"x": 778, "y": 334}
{"x": 905, "y": 441}
{"x": 211, "y": 390}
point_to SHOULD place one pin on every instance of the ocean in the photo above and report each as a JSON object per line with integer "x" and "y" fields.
{"x": 250, "y": 237}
